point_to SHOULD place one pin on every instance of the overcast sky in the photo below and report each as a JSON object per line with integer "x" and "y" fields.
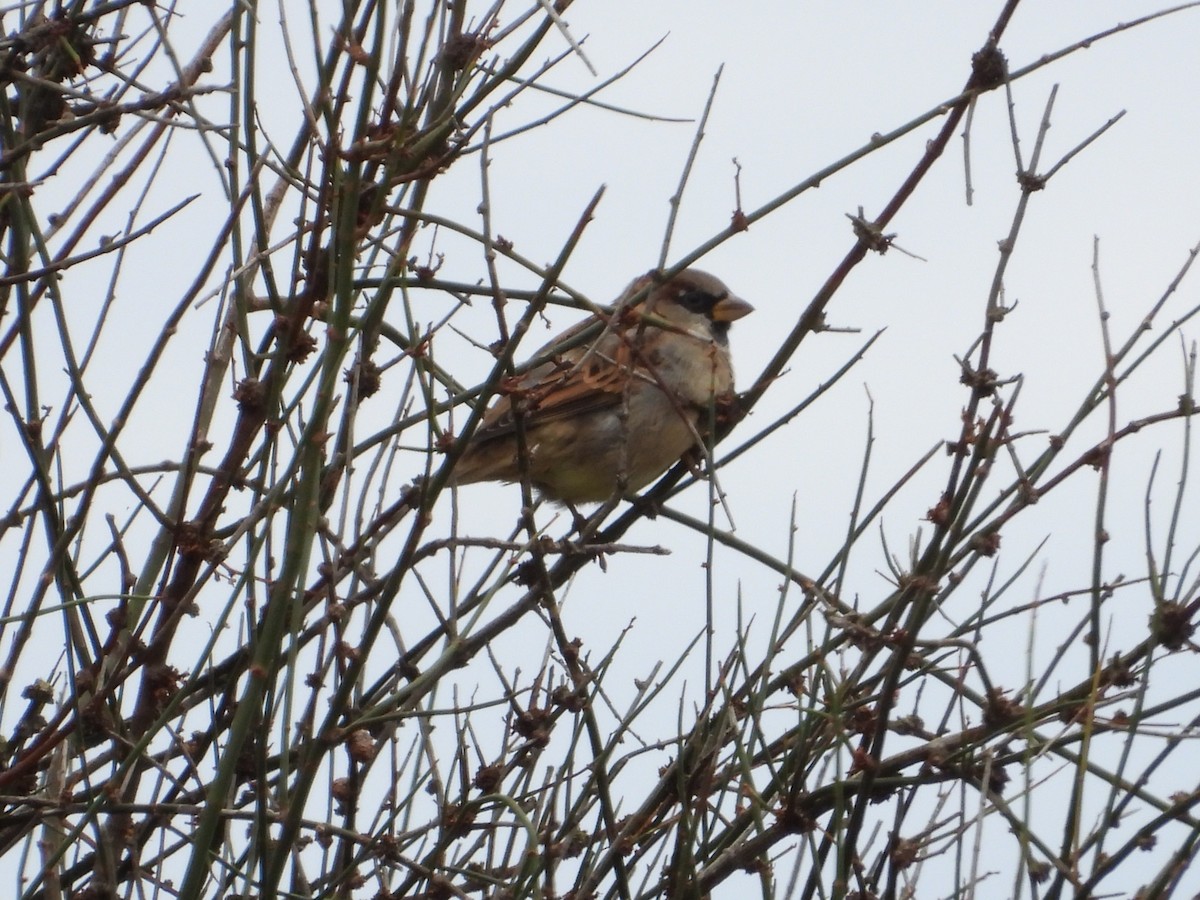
{"x": 803, "y": 85}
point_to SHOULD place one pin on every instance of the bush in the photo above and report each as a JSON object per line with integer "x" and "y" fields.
{"x": 259, "y": 278}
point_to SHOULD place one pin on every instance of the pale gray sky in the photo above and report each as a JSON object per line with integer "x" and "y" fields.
{"x": 803, "y": 85}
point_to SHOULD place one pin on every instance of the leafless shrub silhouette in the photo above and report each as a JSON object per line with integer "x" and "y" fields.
{"x": 248, "y": 648}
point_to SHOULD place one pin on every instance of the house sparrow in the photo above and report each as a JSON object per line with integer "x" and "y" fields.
{"x": 613, "y": 415}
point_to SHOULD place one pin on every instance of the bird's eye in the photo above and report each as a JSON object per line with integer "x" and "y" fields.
{"x": 697, "y": 301}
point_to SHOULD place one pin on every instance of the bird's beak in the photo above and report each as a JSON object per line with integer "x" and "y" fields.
{"x": 730, "y": 308}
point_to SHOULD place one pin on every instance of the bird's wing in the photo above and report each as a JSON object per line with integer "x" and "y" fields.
{"x": 582, "y": 383}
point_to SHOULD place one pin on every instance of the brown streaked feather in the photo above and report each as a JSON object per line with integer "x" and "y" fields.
{"x": 593, "y": 383}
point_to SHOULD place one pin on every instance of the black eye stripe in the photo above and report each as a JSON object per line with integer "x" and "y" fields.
{"x": 697, "y": 301}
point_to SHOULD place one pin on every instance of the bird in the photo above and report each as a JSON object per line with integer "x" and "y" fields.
{"x": 607, "y": 417}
